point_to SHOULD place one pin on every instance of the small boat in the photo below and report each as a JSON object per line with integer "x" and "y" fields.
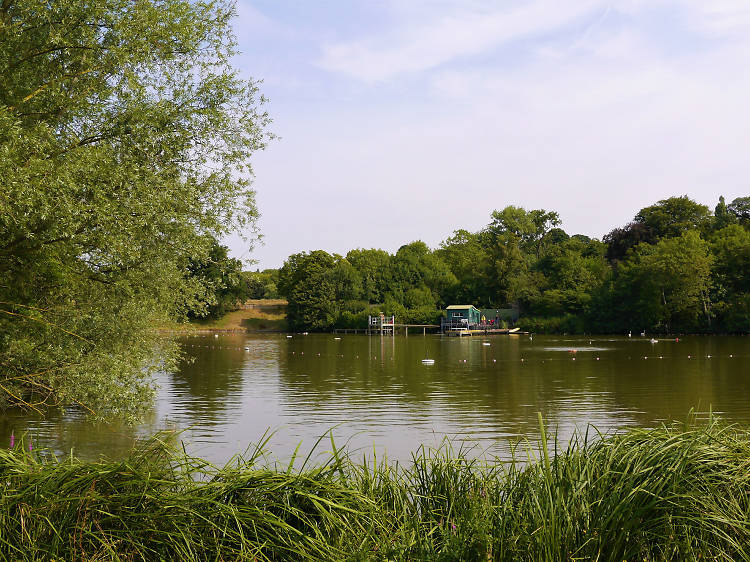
{"x": 428, "y": 361}
{"x": 486, "y": 343}
{"x": 652, "y": 340}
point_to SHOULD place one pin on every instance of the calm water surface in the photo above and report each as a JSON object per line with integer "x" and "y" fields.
{"x": 374, "y": 393}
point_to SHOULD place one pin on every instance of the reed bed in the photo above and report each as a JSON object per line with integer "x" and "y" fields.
{"x": 678, "y": 492}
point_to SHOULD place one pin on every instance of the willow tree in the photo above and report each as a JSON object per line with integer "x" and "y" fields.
{"x": 125, "y": 138}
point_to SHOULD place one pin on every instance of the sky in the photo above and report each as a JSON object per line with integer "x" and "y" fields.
{"x": 406, "y": 120}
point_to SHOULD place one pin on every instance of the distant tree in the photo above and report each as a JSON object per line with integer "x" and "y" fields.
{"x": 374, "y": 270}
{"x": 514, "y": 240}
{"x": 722, "y": 216}
{"x": 731, "y": 248}
{"x": 262, "y": 284}
{"x": 673, "y": 216}
{"x": 466, "y": 258}
{"x": 224, "y": 285}
{"x": 287, "y": 272}
{"x": 620, "y": 240}
{"x": 527, "y": 227}
{"x": 667, "y": 284}
{"x": 667, "y": 218}
{"x": 572, "y": 270}
{"x": 310, "y": 289}
{"x": 346, "y": 281}
{"x": 415, "y": 266}
{"x": 740, "y": 208}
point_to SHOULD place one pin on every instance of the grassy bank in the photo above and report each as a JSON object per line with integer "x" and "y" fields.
{"x": 675, "y": 493}
{"x": 257, "y": 315}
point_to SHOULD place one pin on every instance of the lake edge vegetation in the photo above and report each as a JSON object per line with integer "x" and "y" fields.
{"x": 677, "y": 492}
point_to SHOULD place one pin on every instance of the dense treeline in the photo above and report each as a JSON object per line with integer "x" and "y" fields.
{"x": 676, "y": 267}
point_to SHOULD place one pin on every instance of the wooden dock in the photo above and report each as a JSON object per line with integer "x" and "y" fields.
{"x": 387, "y": 328}
{"x": 484, "y": 332}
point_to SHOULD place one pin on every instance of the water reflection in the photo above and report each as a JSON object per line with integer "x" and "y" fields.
{"x": 375, "y": 391}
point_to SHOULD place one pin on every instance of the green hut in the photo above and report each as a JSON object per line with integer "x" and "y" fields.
{"x": 462, "y": 314}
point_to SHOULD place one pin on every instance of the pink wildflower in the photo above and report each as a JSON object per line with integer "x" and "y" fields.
{"x": 12, "y": 439}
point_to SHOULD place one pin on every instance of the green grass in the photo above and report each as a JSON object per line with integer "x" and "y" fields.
{"x": 679, "y": 492}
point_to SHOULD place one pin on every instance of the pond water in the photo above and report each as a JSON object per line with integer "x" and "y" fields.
{"x": 374, "y": 394}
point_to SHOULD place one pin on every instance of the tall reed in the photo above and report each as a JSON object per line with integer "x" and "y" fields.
{"x": 678, "y": 492}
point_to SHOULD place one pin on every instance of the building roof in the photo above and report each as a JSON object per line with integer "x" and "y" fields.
{"x": 461, "y": 307}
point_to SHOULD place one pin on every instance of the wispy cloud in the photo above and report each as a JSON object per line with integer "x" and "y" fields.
{"x": 419, "y": 47}
{"x": 720, "y": 17}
